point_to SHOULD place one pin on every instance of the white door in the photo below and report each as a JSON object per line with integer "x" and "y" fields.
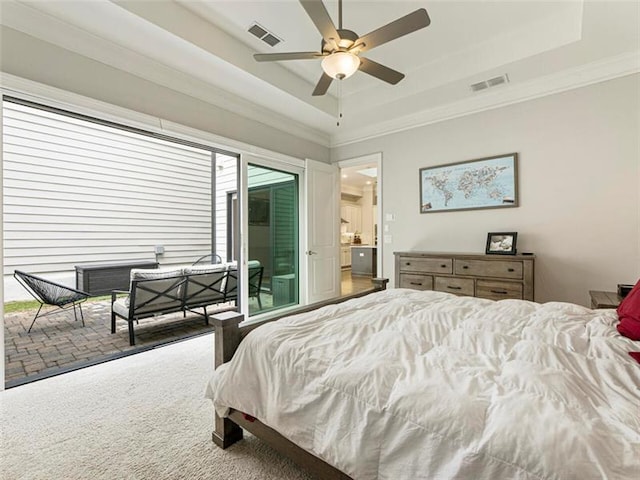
{"x": 323, "y": 231}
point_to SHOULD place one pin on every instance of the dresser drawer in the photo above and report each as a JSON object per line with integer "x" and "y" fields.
{"x": 417, "y": 282}
{"x": 498, "y": 290}
{"x": 489, "y": 268}
{"x": 428, "y": 265}
{"x": 459, "y": 286}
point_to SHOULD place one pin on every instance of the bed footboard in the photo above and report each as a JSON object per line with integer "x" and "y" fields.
{"x": 299, "y": 456}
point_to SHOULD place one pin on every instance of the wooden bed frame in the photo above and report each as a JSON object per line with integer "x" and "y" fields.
{"x": 228, "y": 335}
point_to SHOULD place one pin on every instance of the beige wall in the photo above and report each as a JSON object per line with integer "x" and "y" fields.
{"x": 34, "y": 59}
{"x": 579, "y": 177}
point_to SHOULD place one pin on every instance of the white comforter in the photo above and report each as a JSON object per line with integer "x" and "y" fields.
{"x": 403, "y": 384}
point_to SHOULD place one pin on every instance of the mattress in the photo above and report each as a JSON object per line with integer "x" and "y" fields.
{"x": 427, "y": 385}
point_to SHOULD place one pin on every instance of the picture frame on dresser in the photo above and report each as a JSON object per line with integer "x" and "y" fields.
{"x": 489, "y": 182}
{"x": 501, "y": 243}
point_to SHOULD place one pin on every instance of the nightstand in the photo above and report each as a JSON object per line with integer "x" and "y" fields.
{"x": 601, "y": 299}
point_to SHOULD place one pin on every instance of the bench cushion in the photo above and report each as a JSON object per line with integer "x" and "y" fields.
{"x": 155, "y": 274}
{"x": 204, "y": 268}
{"x": 158, "y": 290}
{"x": 205, "y": 284}
{"x": 121, "y": 307}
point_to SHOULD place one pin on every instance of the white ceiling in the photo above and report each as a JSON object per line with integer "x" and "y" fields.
{"x": 203, "y": 48}
{"x": 359, "y": 176}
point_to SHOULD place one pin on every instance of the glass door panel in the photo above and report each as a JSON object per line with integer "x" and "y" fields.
{"x": 273, "y": 239}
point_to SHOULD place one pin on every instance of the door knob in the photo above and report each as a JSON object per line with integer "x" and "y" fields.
{"x": 311, "y": 252}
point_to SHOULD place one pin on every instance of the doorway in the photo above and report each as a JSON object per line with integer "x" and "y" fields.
{"x": 358, "y": 224}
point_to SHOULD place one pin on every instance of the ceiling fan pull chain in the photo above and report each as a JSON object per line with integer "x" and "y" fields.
{"x": 339, "y": 101}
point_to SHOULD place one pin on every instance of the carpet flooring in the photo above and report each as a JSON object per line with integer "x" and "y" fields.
{"x": 140, "y": 417}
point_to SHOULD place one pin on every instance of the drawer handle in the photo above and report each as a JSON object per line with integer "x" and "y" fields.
{"x": 511, "y": 269}
{"x": 408, "y": 263}
{"x": 454, "y": 288}
{"x": 501, "y": 292}
{"x": 415, "y": 283}
{"x": 443, "y": 266}
{"x": 465, "y": 266}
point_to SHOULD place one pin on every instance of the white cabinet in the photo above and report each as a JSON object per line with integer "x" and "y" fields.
{"x": 345, "y": 256}
{"x": 353, "y": 215}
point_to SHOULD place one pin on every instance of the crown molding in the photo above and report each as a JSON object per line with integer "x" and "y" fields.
{"x": 595, "y": 72}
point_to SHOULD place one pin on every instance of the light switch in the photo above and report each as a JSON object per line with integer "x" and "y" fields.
{"x": 386, "y": 227}
{"x": 388, "y": 239}
{"x": 389, "y": 217}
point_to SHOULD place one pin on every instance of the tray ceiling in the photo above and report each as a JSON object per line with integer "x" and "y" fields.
{"x": 538, "y": 47}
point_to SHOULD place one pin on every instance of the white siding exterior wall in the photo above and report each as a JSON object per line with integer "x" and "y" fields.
{"x": 77, "y": 192}
{"x": 226, "y": 182}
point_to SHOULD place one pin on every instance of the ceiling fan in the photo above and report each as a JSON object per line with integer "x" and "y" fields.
{"x": 340, "y": 49}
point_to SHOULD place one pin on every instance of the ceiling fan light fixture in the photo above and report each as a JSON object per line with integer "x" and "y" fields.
{"x": 340, "y": 64}
{"x": 340, "y": 47}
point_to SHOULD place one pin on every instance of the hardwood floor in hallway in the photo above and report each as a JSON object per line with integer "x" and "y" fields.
{"x": 354, "y": 283}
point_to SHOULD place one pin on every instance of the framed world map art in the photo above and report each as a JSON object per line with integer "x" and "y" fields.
{"x": 490, "y": 182}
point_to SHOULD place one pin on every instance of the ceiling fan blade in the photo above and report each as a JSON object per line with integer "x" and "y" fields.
{"x": 398, "y": 28}
{"x": 385, "y": 74}
{"x": 321, "y": 19}
{"x": 323, "y": 85}
{"x": 274, "y": 57}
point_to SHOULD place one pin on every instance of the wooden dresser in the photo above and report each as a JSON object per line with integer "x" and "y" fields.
{"x": 486, "y": 276}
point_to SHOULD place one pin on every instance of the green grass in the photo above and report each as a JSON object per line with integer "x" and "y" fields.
{"x": 23, "y": 305}
{"x": 20, "y": 305}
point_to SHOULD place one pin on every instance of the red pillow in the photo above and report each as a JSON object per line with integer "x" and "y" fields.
{"x": 629, "y": 314}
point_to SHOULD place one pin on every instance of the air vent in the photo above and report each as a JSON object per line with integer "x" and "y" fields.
{"x": 476, "y": 87}
{"x": 263, "y": 34}
{"x": 257, "y": 30}
{"x": 270, "y": 39}
{"x": 492, "y": 82}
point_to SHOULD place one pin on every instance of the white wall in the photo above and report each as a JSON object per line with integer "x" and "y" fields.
{"x": 578, "y": 177}
{"x": 1, "y": 262}
{"x": 226, "y": 181}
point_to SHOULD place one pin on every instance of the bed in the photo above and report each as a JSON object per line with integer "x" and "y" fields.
{"x": 427, "y": 385}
